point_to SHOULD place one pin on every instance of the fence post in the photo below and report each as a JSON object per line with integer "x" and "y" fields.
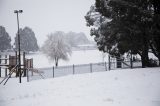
{"x": 109, "y": 63}
{"x": 114, "y": 63}
{"x": 73, "y": 69}
{"x": 131, "y": 60}
{"x": 24, "y": 65}
{"x": 31, "y": 62}
{"x": 53, "y": 71}
{"x": 16, "y": 63}
{"x": 5, "y": 63}
{"x": 91, "y": 67}
{"x": 105, "y": 64}
{"x": 0, "y": 67}
{"x": 27, "y": 76}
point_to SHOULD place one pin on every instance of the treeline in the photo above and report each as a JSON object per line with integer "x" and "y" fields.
{"x": 126, "y": 26}
{"x": 28, "y": 41}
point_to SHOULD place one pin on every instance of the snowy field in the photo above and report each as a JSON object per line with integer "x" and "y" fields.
{"x": 127, "y": 87}
{"x": 78, "y": 57}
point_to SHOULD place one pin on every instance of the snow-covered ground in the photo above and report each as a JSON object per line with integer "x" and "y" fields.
{"x": 127, "y": 87}
{"x": 40, "y": 60}
{"x": 78, "y": 57}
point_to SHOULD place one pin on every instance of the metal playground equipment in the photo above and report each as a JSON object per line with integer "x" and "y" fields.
{"x": 9, "y": 65}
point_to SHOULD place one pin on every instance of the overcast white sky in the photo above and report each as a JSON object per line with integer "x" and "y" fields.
{"x": 45, "y": 16}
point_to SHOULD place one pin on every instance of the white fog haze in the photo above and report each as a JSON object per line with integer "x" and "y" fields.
{"x": 79, "y": 53}
{"x": 45, "y": 16}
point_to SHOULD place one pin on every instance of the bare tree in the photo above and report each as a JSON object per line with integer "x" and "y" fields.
{"x": 56, "y": 47}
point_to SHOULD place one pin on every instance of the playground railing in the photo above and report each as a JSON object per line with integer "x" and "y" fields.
{"x": 9, "y": 75}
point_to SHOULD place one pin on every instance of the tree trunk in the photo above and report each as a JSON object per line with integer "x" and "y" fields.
{"x": 145, "y": 58}
{"x": 56, "y": 62}
{"x": 145, "y": 48}
{"x": 159, "y": 59}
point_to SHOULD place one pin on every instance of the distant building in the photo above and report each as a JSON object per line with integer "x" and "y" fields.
{"x": 86, "y": 47}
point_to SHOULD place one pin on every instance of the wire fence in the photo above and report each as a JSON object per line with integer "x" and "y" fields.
{"x": 52, "y": 72}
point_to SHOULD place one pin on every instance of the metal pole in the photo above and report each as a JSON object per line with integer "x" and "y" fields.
{"x": 19, "y": 50}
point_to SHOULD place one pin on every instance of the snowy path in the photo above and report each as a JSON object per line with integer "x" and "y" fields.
{"x": 136, "y": 87}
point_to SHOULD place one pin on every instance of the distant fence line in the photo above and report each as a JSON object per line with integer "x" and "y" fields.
{"x": 52, "y": 72}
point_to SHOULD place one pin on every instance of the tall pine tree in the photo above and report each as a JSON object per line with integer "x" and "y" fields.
{"x": 28, "y": 41}
{"x": 128, "y": 28}
{"x": 5, "y": 39}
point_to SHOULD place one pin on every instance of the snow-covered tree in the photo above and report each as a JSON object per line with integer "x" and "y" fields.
{"x": 5, "y": 39}
{"x": 56, "y": 47}
{"x": 133, "y": 27}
